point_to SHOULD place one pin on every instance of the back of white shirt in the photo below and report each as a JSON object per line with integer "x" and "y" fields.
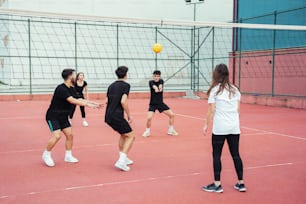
{"x": 226, "y": 116}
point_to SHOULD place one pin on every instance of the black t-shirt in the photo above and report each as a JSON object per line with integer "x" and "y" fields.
{"x": 60, "y": 107}
{"x": 79, "y": 89}
{"x": 156, "y": 98}
{"x": 114, "y": 94}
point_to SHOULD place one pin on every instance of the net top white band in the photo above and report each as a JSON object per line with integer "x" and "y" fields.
{"x": 158, "y": 22}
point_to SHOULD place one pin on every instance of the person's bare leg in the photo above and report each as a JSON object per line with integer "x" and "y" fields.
{"x": 126, "y": 142}
{"x": 69, "y": 138}
{"x": 68, "y": 145}
{"x": 56, "y": 136}
{"x": 148, "y": 124}
{"x": 149, "y": 119}
{"x": 170, "y": 114}
{"x": 121, "y": 143}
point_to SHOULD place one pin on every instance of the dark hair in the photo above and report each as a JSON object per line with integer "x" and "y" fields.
{"x": 121, "y": 71}
{"x": 156, "y": 72}
{"x": 221, "y": 76}
{"x": 66, "y": 73}
{"x": 77, "y": 76}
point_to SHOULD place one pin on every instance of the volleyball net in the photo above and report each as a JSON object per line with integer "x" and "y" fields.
{"x": 35, "y": 47}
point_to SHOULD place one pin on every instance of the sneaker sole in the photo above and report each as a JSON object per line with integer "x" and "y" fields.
{"x": 240, "y": 189}
{"x": 172, "y": 134}
{"x": 122, "y": 169}
{"x": 129, "y": 163}
{"x": 212, "y": 191}
{"x": 49, "y": 165}
{"x": 70, "y": 161}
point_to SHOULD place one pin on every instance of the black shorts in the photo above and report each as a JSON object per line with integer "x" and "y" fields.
{"x": 160, "y": 107}
{"x": 58, "y": 124}
{"x": 120, "y": 125}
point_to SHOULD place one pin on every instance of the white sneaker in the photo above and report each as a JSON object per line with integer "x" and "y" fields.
{"x": 122, "y": 166}
{"x": 85, "y": 124}
{"x": 129, "y": 161}
{"x": 48, "y": 160}
{"x": 146, "y": 133}
{"x": 71, "y": 159}
{"x": 172, "y": 132}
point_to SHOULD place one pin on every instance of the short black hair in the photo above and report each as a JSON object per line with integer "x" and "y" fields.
{"x": 66, "y": 73}
{"x": 156, "y": 72}
{"x": 121, "y": 71}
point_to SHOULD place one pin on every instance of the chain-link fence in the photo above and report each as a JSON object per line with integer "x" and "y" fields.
{"x": 34, "y": 50}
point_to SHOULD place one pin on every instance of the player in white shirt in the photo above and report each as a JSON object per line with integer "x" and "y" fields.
{"x": 223, "y": 110}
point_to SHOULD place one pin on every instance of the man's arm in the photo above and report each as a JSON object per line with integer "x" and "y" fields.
{"x": 125, "y": 105}
{"x": 82, "y": 102}
{"x": 156, "y": 89}
{"x": 160, "y": 88}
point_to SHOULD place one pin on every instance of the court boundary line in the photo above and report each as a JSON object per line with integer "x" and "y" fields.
{"x": 249, "y": 128}
{"x": 147, "y": 179}
{"x": 110, "y": 144}
{"x": 178, "y": 114}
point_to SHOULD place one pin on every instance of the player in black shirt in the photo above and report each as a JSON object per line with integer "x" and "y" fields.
{"x": 57, "y": 116}
{"x": 157, "y": 103}
{"x": 117, "y": 104}
{"x": 80, "y": 87}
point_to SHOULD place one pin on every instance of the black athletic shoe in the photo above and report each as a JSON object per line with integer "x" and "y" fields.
{"x": 213, "y": 188}
{"x": 240, "y": 187}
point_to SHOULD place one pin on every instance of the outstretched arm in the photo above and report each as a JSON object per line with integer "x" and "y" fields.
{"x": 82, "y": 102}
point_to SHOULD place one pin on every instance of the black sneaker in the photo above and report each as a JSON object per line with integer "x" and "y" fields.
{"x": 240, "y": 187}
{"x": 213, "y": 188}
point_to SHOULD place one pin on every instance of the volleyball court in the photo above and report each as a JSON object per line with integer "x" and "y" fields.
{"x": 167, "y": 169}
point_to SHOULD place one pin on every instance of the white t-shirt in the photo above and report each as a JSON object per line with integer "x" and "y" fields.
{"x": 226, "y": 116}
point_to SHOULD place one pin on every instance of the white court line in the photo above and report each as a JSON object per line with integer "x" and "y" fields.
{"x": 182, "y": 115}
{"x": 43, "y": 116}
{"x": 275, "y": 133}
{"x": 149, "y": 179}
{"x": 257, "y": 133}
{"x": 189, "y": 116}
{"x": 270, "y": 165}
{"x": 248, "y": 128}
{"x": 77, "y": 147}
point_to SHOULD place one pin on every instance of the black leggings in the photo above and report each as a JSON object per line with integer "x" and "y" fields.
{"x": 82, "y": 108}
{"x": 233, "y": 144}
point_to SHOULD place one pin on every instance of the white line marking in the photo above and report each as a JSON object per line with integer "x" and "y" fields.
{"x": 248, "y": 128}
{"x": 77, "y": 147}
{"x": 275, "y": 133}
{"x": 82, "y": 187}
{"x": 32, "y": 193}
{"x": 270, "y": 165}
{"x": 137, "y": 181}
{"x": 189, "y": 116}
{"x": 257, "y": 133}
{"x": 182, "y": 115}
{"x": 42, "y": 117}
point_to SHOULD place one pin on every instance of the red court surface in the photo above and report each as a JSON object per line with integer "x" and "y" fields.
{"x": 167, "y": 169}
